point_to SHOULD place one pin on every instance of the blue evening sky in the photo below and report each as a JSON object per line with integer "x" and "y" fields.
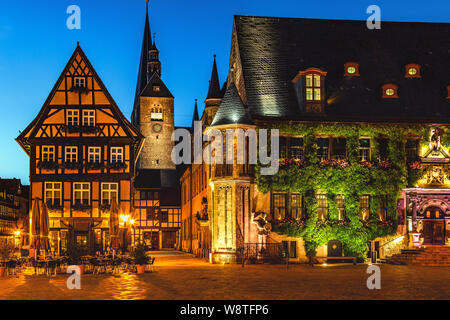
{"x": 35, "y": 45}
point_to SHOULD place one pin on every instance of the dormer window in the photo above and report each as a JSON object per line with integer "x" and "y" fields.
{"x": 412, "y": 70}
{"x": 351, "y": 69}
{"x": 309, "y": 85}
{"x": 390, "y": 90}
{"x": 79, "y": 82}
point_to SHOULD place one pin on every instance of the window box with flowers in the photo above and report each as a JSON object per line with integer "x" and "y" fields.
{"x": 94, "y": 165}
{"x": 81, "y": 206}
{"x": 118, "y": 165}
{"x": 72, "y": 165}
{"x": 47, "y": 165}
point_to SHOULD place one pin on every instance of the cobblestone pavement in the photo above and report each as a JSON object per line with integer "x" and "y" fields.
{"x": 180, "y": 276}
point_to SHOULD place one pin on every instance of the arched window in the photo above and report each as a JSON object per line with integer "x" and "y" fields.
{"x": 389, "y": 90}
{"x": 412, "y": 70}
{"x": 351, "y": 69}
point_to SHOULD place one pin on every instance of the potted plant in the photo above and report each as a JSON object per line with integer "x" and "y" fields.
{"x": 6, "y": 251}
{"x": 140, "y": 257}
{"x": 75, "y": 252}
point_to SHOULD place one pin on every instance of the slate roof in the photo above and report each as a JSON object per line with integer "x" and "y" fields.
{"x": 157, "y": 178}
{"x": 214, "y": 91}
{"x": 231, "y": 109}
{"x": 156, "y": 80}
{"x": 274, "y": 50}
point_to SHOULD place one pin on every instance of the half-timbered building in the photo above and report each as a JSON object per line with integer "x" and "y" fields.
{"x": 82, "y": 156}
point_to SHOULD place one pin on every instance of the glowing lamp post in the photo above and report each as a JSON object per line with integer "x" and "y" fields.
{"x": 124, "y": 218}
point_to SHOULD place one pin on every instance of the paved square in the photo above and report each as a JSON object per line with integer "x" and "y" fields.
{"x": 180, "y": 276}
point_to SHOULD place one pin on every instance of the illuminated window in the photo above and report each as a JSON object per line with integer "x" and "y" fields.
{"x": 364, "y": 207}
{"x": 351, "y": 69}
{"x": 94, "y": 154}
{"x": 156, "y": 88}
{"x": 296, "y": 206}
{"x": 81, "y": 193}
{"x": 412, "y": 71}
{"x": 116, "y": 154}
{"x": 71, "y": 154}
{"x": 313, "y": 87}
{"x": 89, "y": 118}
{"x": 156, "y": 114}
{"x": 109, "y": 192}
{"x": 72, "y": 118}
{"x": 340, "y": 204}
{"x": 364, "y": 150}
{"x": 322, "y": 206}
{"x": 296, "y": 148}
{"x": 79, "y": 82}
{"x": 48, "y": 153}
{"x": 323, "y": 145}
{"x": 390, "y": 91}
{"x": 53, "y": 193}
{"x": 279, "y": 205}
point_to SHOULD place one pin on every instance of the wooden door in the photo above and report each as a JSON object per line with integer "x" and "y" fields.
{"x": 334, "y": 248}
{"x": 155, "y": 240}
{"x": 428, "y": 230}
{"x": 169, "y": 239}
{"x": 438, "y": 232}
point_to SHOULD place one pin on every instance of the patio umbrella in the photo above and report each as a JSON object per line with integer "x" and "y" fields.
{"x": 35, "y": 227}
{"x": 114, "y": 224}
{"x": 45, "y": 244}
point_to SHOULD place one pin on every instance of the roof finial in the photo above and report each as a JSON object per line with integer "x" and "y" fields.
{"x": 214, "y": 57}
{"x": 78, "y": 43}
{"x": 154, "y": 36}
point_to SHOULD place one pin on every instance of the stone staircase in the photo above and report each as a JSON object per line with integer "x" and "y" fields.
{"x": 428, "y": 256}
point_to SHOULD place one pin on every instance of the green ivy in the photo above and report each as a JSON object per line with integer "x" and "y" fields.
{"x": 352, "y": 181}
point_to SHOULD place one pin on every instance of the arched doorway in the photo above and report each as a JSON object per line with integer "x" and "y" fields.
{"x": 433, "y": 226}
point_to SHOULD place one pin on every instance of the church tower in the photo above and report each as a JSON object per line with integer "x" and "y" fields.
{"x": 153, "y": 112}
{"x": 214, "y": 97}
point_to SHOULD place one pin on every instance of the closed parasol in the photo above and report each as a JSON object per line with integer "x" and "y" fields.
{"x": 114, "y": 224}
{"x": 35, "y": 226}
{"x": 45, "y": 244}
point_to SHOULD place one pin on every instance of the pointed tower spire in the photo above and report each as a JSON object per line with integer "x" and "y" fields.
{"x": 142, "y": 74}
{"x": 195, "y": 116}
{"x": 214, "y": 85}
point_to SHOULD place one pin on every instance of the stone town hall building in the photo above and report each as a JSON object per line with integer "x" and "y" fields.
{"x": 364, "y": 139}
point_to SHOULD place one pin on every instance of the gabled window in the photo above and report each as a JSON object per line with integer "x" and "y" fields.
{"x": 364, "y": 150}
{"x": 79, "y": 82}
{"x": 390, "y": 90}
{"x": 351, "y": 69}
{"x": 88, "y": 118}
{"x": 94, "y": 154}
{"x": 116, "y": 154}
{"x": 81, "y": 193}
{"x": 71, "y": 154}
{"x": 109, "y": 192}
{"x": 309, "y": 86}
{"x": 72, "y": 118}
{"x": 412, "y": 70}
{"x": 48, "y": 153}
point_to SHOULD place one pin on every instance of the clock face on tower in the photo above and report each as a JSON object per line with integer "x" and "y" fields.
{"x": 157, "y": 127}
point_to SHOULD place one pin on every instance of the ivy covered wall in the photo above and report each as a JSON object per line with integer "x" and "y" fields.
{"x": 348, "y": 177}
